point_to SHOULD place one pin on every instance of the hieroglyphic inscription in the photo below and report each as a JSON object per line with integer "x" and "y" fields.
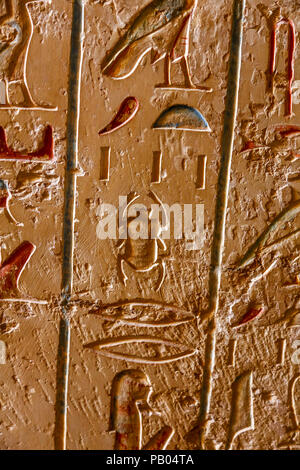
{"x": 181, "y": 117}
{"x": 162, "y": 27}
{"x": 130, "y": 393}
{"x": 44, "y": 154}
{"x": 103, "y": 346}
{"x": 105, "y": 163}
{"x": 156, "y": 167}
{"x": 201, "y": 171}
{"x": 5, "y": 196}
{"x": 281, "y": 351}
{"x": 292, "y": 441}
{"x": 241, "y": 418}
{"x": 125, "y": 114}
{"x": 16, "y": 30}
{"x": 143, "y": 255}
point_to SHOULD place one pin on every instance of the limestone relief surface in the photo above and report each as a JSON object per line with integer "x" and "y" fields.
{"x": 150, "y": 209}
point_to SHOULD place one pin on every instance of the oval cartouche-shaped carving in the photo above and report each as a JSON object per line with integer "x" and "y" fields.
{"x": 148, "y": 313}
{"x": 104, "y": 348}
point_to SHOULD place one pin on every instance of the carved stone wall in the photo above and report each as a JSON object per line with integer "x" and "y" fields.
{"x": 111, "y": 342}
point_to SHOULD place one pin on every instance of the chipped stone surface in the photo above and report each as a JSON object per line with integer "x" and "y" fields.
{"x": 146, "y": 344}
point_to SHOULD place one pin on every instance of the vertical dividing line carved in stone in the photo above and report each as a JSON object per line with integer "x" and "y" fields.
{"x": 230, "y": 113}
{"x": 63, "y": 359}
